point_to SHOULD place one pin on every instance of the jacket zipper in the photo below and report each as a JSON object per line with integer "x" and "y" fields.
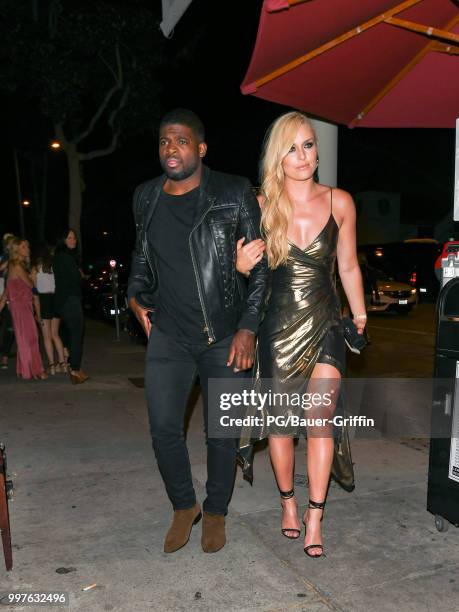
{"x": 208, "y": 327}
{"x": 145, "y": 252}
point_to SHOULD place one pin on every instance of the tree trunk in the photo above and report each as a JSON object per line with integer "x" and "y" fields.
{"x": 75, "y": 198}
{"x": 37, "y": 205}
{"x": 41, "y": 229}
{"x": 73, "y": 165}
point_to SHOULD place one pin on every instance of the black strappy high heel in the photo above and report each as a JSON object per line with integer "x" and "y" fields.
{"x": 314, "y": 506}
{"x": 289, "y": 495}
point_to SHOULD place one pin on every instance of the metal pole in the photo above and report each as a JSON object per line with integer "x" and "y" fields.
{"x": 327, "y": 137}
{"x": 18, "y": 187}
{"x": 117, "y": 316}
{"x": 456, "y": 175}
{"x": 114, "y": 279}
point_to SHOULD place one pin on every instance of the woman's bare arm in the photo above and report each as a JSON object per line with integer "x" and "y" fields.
{"x": 2, "y": 301}
{"x": 33, "y": 275}
{"x": 248, "y": 255}
{"x": 348, "y": 265}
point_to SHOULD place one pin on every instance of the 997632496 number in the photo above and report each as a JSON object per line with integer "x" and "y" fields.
{"x": 34, "y": 598}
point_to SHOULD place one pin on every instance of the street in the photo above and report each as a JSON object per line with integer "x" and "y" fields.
{"x": 401, "y": 345}
{"x": 90, "y": 509}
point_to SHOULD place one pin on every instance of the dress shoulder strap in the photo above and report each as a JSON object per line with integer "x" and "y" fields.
{"x": 331, "y": 200}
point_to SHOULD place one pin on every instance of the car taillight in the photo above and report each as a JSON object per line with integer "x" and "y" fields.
{"x": 413, "y": 278}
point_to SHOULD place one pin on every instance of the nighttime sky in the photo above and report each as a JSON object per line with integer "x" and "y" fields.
{"x": 417, "y": 163}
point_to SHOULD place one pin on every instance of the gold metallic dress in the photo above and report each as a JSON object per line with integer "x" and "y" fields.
{"x": 302, "y": 326}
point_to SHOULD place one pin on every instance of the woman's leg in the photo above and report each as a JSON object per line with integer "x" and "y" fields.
{"x": 72, "y": 316}
{"x": 46, "y": 333}
{"x": 64, "y": 336}
{"x": 325, "y": 379}
{"x": 57, "y": 340}
{"x": 281, "y": 452}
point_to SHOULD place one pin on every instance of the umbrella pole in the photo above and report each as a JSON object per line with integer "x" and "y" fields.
{"x": 327, "y": 136}
{"x": 456, "y": 176}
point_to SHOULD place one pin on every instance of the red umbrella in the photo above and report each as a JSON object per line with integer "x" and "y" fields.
{"x": 369, "y": 63}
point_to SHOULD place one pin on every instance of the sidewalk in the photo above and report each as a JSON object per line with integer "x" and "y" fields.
{"x": 89, "y": 502}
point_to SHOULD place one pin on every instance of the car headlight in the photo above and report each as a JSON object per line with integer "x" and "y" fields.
{"x": 413, "y": 290}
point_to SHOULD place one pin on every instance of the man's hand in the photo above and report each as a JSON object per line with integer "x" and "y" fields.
{"x": 242, "y": 350}
{"x": 141, "y": 315}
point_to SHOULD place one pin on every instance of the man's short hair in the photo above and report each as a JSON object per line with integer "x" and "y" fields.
{"x": 183, "y": 116}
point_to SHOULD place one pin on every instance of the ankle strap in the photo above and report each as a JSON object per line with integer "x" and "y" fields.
{"x": 316, "y": 505}
{"x": 287, "y": 494}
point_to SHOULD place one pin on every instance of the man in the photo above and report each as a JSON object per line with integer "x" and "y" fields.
{"x": 205, "y": 315}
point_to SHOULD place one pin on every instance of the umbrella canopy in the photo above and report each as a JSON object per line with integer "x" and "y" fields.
{"x": 378, "y": 63}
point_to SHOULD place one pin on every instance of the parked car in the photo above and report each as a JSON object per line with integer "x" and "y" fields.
{"x": 388, "y": 294}
{"x": 411, "y": 262}
{"x": 98, "y": 298}
{"x": 382, "y": 292}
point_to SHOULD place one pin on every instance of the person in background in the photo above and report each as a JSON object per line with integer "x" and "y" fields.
{"x": 6, "y": 322}
{"x": 67, "y": 300}
{"x": 370, "y": 278}
{"x": 43, "y": 278}
{"x": 22, "y": 302}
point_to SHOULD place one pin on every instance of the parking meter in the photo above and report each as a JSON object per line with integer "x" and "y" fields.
{"x": 447, "y": 264}
{"x": 443, "y": 482}
{"x": 115, "y": 290}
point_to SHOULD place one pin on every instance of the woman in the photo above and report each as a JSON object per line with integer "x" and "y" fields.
{"x": 21, "y": 302}
{"x": 43, "y": 278}
{"x": 307, "y": 226}
{"x": 6, "y": 322}
{"x": 67, "y": 302}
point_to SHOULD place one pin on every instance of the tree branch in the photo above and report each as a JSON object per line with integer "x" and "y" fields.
{"x": 116, "y": 87}
{"x": 101, "y": 152}
{"x": 117, "y": 75}
{"x": 115, "y": 112}
{"x": 116, "y": 133}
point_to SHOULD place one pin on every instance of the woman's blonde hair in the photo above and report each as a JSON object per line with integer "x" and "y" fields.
{"x": 276, "y": 208}
{"x": 15, "y": 257}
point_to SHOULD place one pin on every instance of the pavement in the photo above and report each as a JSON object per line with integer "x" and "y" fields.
{"x": 89, "y": 509}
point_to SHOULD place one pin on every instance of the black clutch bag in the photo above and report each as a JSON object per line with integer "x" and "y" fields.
{"x": 354, "y": 341}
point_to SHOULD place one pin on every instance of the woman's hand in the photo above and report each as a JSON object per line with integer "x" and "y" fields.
{"x": 360, "y": 321}
{"x": 248, "y": 255}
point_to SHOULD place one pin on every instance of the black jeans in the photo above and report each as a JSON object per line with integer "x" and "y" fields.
{"x": 73, "y": 320}
{"x": 171, "y": 369}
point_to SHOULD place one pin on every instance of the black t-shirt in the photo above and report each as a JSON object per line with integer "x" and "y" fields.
{"x": 179, "y": 311}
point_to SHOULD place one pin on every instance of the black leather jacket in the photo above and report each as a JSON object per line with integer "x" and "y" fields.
{"x": 227, "y": 210}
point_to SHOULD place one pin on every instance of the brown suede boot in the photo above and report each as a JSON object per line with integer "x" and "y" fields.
{"x": 213, "y": 532}
{"x": 180, "y": 529}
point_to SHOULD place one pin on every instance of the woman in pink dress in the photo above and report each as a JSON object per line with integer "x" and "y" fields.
{"x": 21, "y": 302}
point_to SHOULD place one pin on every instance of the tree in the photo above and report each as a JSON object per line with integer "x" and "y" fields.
{"x": 92, "y": 67}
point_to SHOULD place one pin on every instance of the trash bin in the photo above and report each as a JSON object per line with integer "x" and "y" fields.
{"x": 443, "y": 482}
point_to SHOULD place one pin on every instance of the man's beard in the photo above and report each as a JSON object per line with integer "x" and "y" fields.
{"x": 179, "y": 174}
